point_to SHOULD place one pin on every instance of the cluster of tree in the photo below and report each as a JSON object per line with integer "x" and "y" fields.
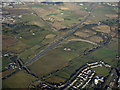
{"x": 111, "y": 22}
{"x": 19, "y": 27}
{"x": 64, "y": 29}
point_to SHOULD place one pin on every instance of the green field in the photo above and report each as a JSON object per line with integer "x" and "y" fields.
{"x": 19, "y": 80}
{"x": 74, "y": 65}
{"x": 28, "y": 54}
{"x": 57, "y": 58}
{"x": 106, "y": 55}
{"x": 69, "y": 18}
{"x": 113, "y": 44}
{"x": 101, "y": 71}
{"x": 100, "y": 14}
{"x": 105, "y": 10}
{"x": 5, "y": 62}
{"x": 53, "y": 60}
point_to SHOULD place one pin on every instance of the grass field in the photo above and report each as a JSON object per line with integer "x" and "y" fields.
{"x": 53, "y": 60}
{"x": 82, "y": 34}
{"x": 8, "y": 41}
{"x": 105, "y": 10}
{"x": 78, "y": 47}
{"x": 5, "y": 62}
{"x": 19, "y": 80}
{"x": 100, "y": 14}
{"x": 32, "y": 40}
{"x": 113, "y": 44}
{"x": 74, "y": 64}
{"x": 32, "y": 20}
{"x": 18, "y": 47}
{"x": 106, "y": 55}
{"x": 57, "y": 58}
{"x": 50, "y": 36}
{"x": 102, "y": 28}
{"x": 55, "y": 79}
{"x": 36, "y": 42}
{"x": 96, "y": 39}
{"x": 28, "y": 54}
{"x": 89, "y": 31}
{"x": 101, "y": 71}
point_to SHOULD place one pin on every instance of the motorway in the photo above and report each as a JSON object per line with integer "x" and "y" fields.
{"x": 53, "y": 45}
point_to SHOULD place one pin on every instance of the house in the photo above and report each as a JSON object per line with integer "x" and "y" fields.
{"x": 33, "y": 34}
{"x": 92, "y": 63}
{"x": 67, "y": 49}
{"x": 98, "y": 79}
{"x": 96, "y": 66}
{"x": 108, "y": 66}
{"x": 81, "y": 4}
{"x": 19, "y": 16}
{"x": 12, "y": 65}
{"x": 51, "y": 18}
{"x": 99, "y": 23}
{"x": 62, "y": 13}
{"x": 6, "y": 55}
{"x": 20, "y": 37}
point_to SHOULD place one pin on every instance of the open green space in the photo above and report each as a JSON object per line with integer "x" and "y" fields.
{"x": 74, "y": 65}
{"x": 69, "y": 18}
{"x": 106, "y": 55}
{"x": 28, "y": 54}
{"x": 113, "y": 44}
{"x": 5, "y": 62}
{"x": 100, "y": 14}
{"x": 58, "y": 58}
{"x": 19, "y": 80}
{"x": 101, "y": 71}
{"x": 103, "y": 53}
{"x": 18, "y": 47}
{"x": 105, "y": 10}
{"x": 32, "y": 20}
{"x": 53, "y": 60}
{"x": 78, "y": 47}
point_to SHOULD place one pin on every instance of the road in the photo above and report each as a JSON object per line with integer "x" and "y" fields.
{"x": 59, "y": 41}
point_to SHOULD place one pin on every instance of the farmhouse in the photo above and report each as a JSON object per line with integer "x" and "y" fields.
{"x": 67, "y": 49}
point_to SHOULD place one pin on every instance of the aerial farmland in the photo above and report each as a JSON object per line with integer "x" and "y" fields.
{"x": 60, "y": 45}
